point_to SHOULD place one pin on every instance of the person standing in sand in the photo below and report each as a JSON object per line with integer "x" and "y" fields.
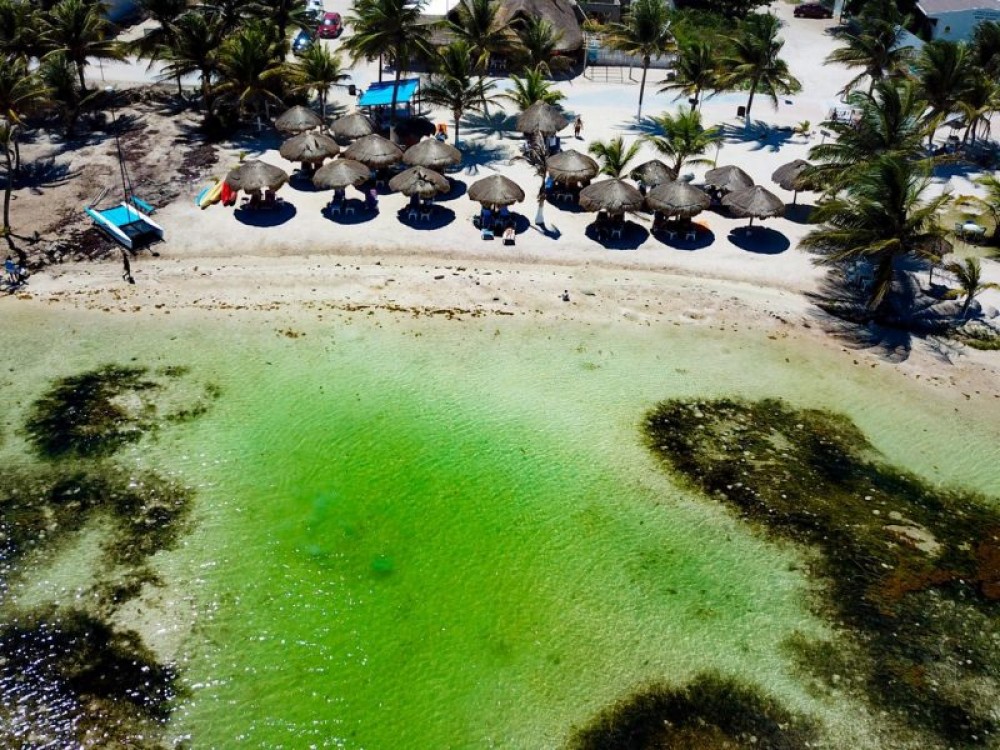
{"x": 578, "y": 128}
{"x": 126, "y": 268}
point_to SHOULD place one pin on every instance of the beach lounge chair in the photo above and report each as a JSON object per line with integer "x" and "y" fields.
{"x": 426, "y": 212}
{"x": 509, "y": 236}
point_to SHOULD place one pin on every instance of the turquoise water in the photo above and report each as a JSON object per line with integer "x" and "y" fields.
{"x": 451, "y": 533}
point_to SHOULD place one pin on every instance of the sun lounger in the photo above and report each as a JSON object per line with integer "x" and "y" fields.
{"x": 426, "y": 212}
{"x": 691, "y": 235}
{"x": 509, "y": 236}
{"x": 412, "y": 213}
{"x": 616, "y": 231}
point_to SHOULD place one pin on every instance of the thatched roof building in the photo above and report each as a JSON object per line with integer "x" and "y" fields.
{"x": 564, "y": 15}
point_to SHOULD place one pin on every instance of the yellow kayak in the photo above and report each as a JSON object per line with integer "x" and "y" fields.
{"x": 210, "y": 195}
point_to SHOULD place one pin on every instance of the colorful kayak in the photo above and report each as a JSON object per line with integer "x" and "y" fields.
{"x": 210, "y": 195}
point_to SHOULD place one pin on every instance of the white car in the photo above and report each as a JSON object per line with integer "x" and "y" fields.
{"x": 314, "y": 8}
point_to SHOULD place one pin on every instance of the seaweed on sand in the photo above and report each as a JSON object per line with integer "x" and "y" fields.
{"x": 913, "y": 570}
{"x": 68, "y": 679}
{"x": 144, "y": 512}
{"x": 710, "y": 713}
{"x": 86, "y": 415}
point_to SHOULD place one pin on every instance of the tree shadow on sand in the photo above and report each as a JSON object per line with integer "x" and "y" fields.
{"x": 497, "y": 123}
{"x": 266, "y": 217}
{"x": 759, "y": 240}
{"x": 482, "y": 154}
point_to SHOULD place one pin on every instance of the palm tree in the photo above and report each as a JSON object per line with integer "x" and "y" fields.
{"x": 156, "y": 42}
{"x": 754, "y": 60}
{"x": 393, "y": 28}
{"x": 317, "y": 69}
{"x": 890, "y": 120}
{"x": 991, "y": 202}
{"x": 977, "y": 101}
{"x": 453, "y": 86}
{"x": 8, "y": 134}
{"x": 282, "y": 14}
{"x": 229, "y": 13}
{"x": 249, "y": 62}
{"x": 538, "y": 46}
{"x": 58, "y": 74}
{"x": 969, "y": 275}
{"x": 537, "y": 155}
{"x": 78, "y": 30}
{"x": 683, "y": 137}
{"x": 532, "y": 87}
{"x": 21, "y": 91}
{"x": 884, "y": 213}
{"x": 943, "y": 68}
{"x": 194, "y": 48}
{"x": 478, "y": 24}
{"x": 874, "y": 49}
{"x": 985, "y": 45}
{"x": 613, "y": 157}
{"x": 646, "y": 34}
{"x": 19, "y": 29}
{"x": 696, "y": 71}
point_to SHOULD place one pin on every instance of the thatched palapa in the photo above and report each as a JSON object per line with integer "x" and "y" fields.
{"x": 562, "y": 14}
{"x": 251, "y": 176}
{"x": 375, "y": 151}
{"x": 341, "y": 173}
{"x": 420, "y": 181}
{"x": 432, "y": 153}
{"x": 309, "y": 147}
{"x": 794, "y": 176}
{"x": 543, "y": 118}
{"x": 613, "y": 196}
{"x": 496, "y": 190}
{"x": 298, "y": 119}
{"x": 728, "y": 179}
{"x": 353, "y": 126}
{"x": 755, "y": 202}
{"x": 652, "y": 173}
{"x": 571, "y": 166}
{"x": 678, "y": 199}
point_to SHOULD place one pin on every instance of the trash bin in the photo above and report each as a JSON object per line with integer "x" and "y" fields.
{"x": 741, "y": 111}
{"x": 352, "y": 90}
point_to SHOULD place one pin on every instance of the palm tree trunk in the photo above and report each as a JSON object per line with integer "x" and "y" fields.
{"x": 8, "y": 188}
{"x": 17, "y": 156}
{"x": 642, "y": 85}
{"x": 392, "y": 104}
{"x": 753, "y": 91}
{"x": 965, "y": 305}
{"x": 322, "y": 105}
{"x": 540, "y": 217}
{"x": 180, "y": 88}
{"x": 458, "y": 116}
{"x": 79, "y": 72}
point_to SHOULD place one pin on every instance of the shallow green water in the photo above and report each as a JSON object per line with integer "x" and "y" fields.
{"x": 449, "y": 535}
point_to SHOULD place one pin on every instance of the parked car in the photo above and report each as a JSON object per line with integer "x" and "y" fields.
{"x": 302, "y": 42}
{"x": 314, "y": 8}
{"x": 812, "y": 10}
{"x": 330, "y": 27}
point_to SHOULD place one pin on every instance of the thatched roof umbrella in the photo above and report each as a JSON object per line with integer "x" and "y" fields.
{"x": 653, "y": 173}
{"x": 728, "y": 179}
{"x": 755, "y": 202}
{"x": 375, "y": 151}
{"x": 341, "y": 173}
{"x": 541, "y": 118}
{"x": 255, "y": 175}
{"x": 678, "y": 199}
{"x": 420, "y": 181}
{"x": 433, "y": 154}
{"x": 353, "y": 126}
{"x": 298, "y": 119}
{"x": 614, "y": 196}
{"x": 309, "y": 147}
{"x": 794, "y": 176}
{"x": 496, "y": 190}
{"x": 559, "y": 13}
{"x": 571, "y": 166}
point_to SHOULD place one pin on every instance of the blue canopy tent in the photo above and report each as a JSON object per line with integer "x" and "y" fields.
{"x": 380, "y": 94}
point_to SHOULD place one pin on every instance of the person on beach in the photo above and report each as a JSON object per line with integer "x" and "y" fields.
{"x": 10, "y": 268}
{"x": 126, "y": 268}
{"x": 565, "y": 295}
{"x": 578, "y": 128}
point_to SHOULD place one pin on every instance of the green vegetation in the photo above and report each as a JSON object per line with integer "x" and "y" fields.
{"x": 613, "y": 156}
{"x": 912, "y": 570}
{"x": 753, "y": 60}
{"x": 683, "y": 138}
{"x": 710, "y": 713}
{"x": 646, "y": 34}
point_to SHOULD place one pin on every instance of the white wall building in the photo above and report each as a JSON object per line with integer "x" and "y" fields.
{"x": 954, "y": 20}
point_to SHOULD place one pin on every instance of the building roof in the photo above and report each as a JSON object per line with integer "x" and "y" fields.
{"x": 935, "y": 7}
{"x": 380, "y": 94}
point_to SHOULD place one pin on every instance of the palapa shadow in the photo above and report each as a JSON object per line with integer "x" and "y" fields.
{"x": 265, "y": 217}
{"x": 760, "y": 240}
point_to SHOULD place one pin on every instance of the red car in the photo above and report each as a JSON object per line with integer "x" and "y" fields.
{"x": 812, "y": 10}
{"x": 330, "y": 26}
